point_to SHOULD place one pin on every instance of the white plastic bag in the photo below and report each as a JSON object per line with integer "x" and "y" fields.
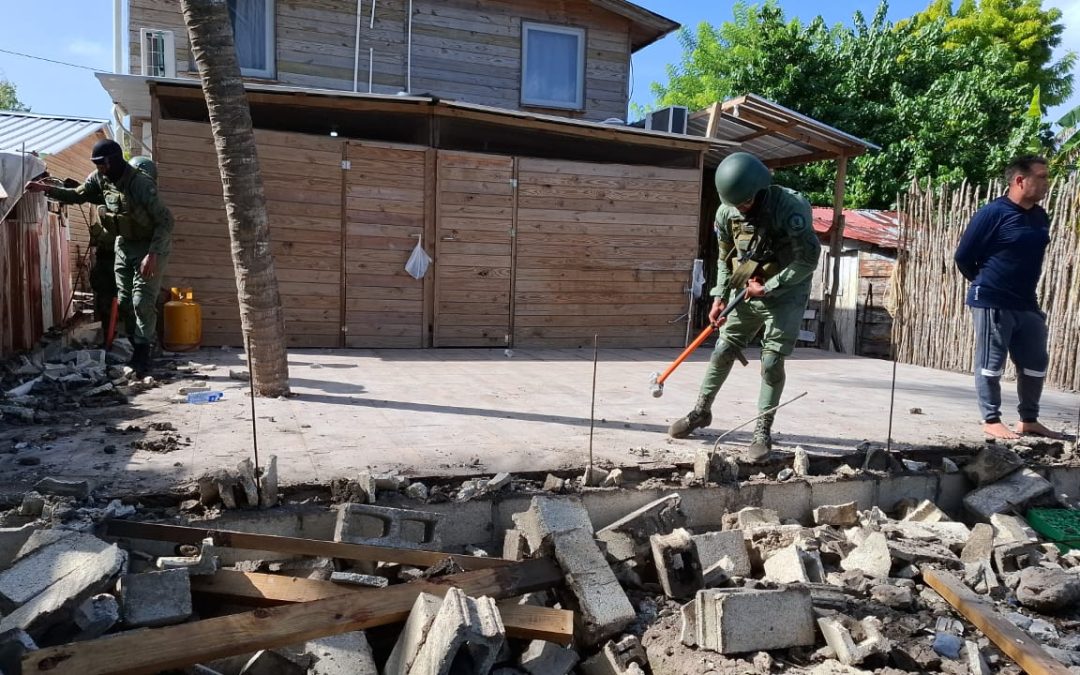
{"x": 698, "y": 277}
{"x": 418, "y": 262}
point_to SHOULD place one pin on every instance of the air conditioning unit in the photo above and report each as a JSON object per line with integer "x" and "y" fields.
{"x": 671, "y": 119}
{"x": 157, "y": 52}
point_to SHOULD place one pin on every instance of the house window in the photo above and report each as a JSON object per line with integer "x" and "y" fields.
{"x": 552, "y": 66}
{"x": 253, "y": 31}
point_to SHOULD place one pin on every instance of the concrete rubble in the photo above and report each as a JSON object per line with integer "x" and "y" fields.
{"x": 660, "y": 589}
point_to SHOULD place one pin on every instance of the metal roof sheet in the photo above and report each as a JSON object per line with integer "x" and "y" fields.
{"x": 880, "y": 228}
{"x": 44, "y": 134}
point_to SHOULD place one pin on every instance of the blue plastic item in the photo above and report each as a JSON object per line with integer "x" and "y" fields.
{"x": 204, "y": 396}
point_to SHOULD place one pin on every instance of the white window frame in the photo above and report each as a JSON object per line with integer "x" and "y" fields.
{"x": 579, "y": 102}
{"x": 271, "y": 47}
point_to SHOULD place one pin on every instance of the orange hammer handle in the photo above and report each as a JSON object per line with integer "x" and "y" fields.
{"x": 702, "y": 336}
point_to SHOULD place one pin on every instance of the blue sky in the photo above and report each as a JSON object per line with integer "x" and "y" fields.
{"x": 80, "y": 32}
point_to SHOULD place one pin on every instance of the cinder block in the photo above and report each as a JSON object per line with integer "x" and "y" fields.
{"x": 623, "y": 657}
{"x": 677, "y": 565}
{"x": 79, "y": 489}
{"x": 97, "y": 615}
{"x": 155, "y": 598}
{"x": 1012, "y": 530}
{"x": 853, "y": 641}
{"x": 547, "y": 516}
{"x": 992, "y": 463}
{"x": 871, "y": 557}
{"x": 465, "y": 631}
{"x": 548, "y": 658}
{"x": 269, "y": 662}
{"x": 11, "y": 540}
{"x": 43, "y": 560}
{"x": 204, "y": 564}
{"x": 1014, "y": 491}
{"x": 688, "y": 628}
{"x": 792, "y": 565}
{"x": 726, "y": 549}
{"x": 837, "y": 515}
{"x": 628, "y": 537}
{"x": 739, "y": 621}
{"x": 927, "y": 512}
{"x": 514, "y": 545}
{"x": 603, "y": 608}
{"x": 422, "y": 615}
{"x": 384, "y": 526}
{"x": 980, "y": 545}
{"x": 356, "y": 579}
{"x": 345, "y": 654}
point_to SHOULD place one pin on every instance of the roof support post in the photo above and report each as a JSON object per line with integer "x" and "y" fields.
{"x": 836, "y": 246}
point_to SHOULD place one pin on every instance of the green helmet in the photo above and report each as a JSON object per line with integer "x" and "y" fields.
{"x": 739, "y": 177}
{"x": 146, "y": 165}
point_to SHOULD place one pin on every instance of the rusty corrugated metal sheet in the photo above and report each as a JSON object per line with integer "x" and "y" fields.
{"x": 880, "y": 228}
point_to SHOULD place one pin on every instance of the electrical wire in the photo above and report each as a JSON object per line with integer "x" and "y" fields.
{"x": 60, "y": 63}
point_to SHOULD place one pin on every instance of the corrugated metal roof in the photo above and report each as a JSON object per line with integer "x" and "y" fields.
{"x": 880, "y": 228}
{"x": 44, "y": 134}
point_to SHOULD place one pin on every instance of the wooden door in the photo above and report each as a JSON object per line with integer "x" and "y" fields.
{"x": 474, "y": 249}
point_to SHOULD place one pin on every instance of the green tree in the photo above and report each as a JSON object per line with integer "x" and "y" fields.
{"x": 9, "y": 99}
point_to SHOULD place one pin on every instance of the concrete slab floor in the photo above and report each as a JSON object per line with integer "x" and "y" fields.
{"x": 458, "y": 411}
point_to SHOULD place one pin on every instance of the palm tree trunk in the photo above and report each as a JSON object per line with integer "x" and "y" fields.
{"x": 261, "y": 315}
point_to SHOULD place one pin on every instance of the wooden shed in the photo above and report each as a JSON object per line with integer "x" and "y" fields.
{"x": 543, "y": 231}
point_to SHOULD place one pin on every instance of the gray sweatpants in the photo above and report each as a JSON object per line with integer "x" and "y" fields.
{"x": 1001, "y": 333}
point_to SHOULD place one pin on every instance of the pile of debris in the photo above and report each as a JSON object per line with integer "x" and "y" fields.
{"x": 87, "y": 588}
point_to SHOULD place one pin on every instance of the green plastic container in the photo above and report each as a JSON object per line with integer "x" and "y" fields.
{"x": 1061, "y": 526}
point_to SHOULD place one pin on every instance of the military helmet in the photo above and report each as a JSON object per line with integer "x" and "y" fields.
{"x": 740, "y": 177}
{"x": 104, "y": 149}
{"x": 146, "y": 165}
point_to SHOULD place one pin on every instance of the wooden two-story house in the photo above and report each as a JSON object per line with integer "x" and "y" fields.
{"x": 491, "y": 132}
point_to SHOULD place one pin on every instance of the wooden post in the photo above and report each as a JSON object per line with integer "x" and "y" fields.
{"x": 836, "y": 246}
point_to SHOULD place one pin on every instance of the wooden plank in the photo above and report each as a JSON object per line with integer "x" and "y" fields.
{"x": 295, "y": 545}
{"x": 265, "y": 628}
{"x": 1020, "y": 647}
{"x": 266, "y": 590}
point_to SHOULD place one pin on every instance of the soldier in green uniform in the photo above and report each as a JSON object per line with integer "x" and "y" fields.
{"x": 767, "y": 246}
{"x": 142, "y": 225}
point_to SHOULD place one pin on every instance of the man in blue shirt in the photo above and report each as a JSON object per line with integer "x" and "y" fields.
{"x": 1001, "y": 254}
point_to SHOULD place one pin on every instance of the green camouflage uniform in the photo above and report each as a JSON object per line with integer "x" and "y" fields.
{"x": 102, "y": 272}
{"x": 134, "y": 214}
{"x": 787, "y": 257}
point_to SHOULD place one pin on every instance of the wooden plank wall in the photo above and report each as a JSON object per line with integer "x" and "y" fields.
{"x": 603, "y": 249}
{"x": 467, "y": 50}
{"x": 303, "y": 181}
{"x": 74, "y": 162}
{"x": 385, "y": 212}
{"x": 475, "y": 198}
{"x": 875, "y": 296}
{"x": 471, "y": 50}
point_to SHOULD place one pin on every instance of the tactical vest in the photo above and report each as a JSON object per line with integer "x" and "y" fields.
{"x": 761, "y": 248}
{"x": 123, "y": 216}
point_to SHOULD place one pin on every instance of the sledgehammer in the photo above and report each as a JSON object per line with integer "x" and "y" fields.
{"x": 656, "y": 381}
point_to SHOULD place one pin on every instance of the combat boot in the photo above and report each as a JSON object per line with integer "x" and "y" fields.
{"x": 140, "y": 360}
{"x": 695, "y": 419}
{"x": 761, "y": 444}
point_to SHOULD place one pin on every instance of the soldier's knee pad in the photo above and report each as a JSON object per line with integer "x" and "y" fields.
{"x": 772, "y": 367}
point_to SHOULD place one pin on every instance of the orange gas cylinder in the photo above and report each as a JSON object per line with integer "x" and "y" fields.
{"x": 183, "y": 322}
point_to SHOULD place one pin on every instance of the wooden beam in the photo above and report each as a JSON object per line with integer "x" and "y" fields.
{"x": 295, "y": 545}
{"x": 798, "y": 160}
{"x": 1021, "y": 647}
{"x": 836, "y": 247}
{"x": 267, "y": 590}
{"x": 150, "y": 651}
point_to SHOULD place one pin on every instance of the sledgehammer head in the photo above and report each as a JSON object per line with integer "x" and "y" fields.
{"x": 657, "y": 388}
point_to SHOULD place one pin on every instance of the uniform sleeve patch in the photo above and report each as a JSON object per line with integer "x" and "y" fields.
{"x": 796, "y": 222}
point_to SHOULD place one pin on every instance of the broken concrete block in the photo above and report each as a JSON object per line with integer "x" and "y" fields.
{"x": 32, "y": 505}
{"x": 614, "y": 478}
{"x": 465, "y": 630}
{"x": 79, "y": 489}
{"x": 853, "y": 641}
{"x": 269, "y": 662}
{"x": 897, "y": 597}
{"x": 367, "y": 486}
{"x": 628, "y": 537}
{"x": 603, "y": 608}
{"x": 677, "y": 565}
{"x": 423, "y": 613}
{"x": 594, "y": 476}
{"x": 389, "y": 481}
{"x": 688, "y": 629}
{"x": 97, "y": 615}
{"x": 1011, "y": 529}
{"x": 553, "y": 483}
{"x": 43, "y": 560}
{"x": 155, "y": 598}
{"x": 976, "y": 663}
{"x": 11, "y": 540}
{"x": 715, "y": 467}
{"x": 268, "y": 484}
{"x": 980, "y": 545}
{"x": 801, "y": 461}
{"x": 384, "y": 526}
{"x": 417, "y": 491}
{"x": 94, "y": 572}
{"x": 245, "y": 476}
{"x": 548, "y": 658}
{"x": 872, "y": 557}
{"x": 514, "y": 545}
{"x": 991, "y": 464}
{"x": 838, "y": 515}
{"x": 1048, "y": 590}
{"x": 739, "y": 621}
{"x": 498, "y": 482}
{"x": 623, "y": 657}
{"x": 792, "y": 565}
{"x": 550, "y": 515}
{"x": 1014, "y": 491}
{"x": 927, "y": 512}
{"x": 751, "y": 518}
{"x": 14, "y": 645}
{"x": 344, "y": 654}
{"x": 947, "y": 534}
{"x": 726, "y": 549}
{"x": 204, "y": 564}
{"x": 980, "y": 577}
{"x": 1011, "y": 558}
{"x": 354, "y": 579}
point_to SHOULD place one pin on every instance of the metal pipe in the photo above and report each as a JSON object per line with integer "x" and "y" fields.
{"x": 408, "y": 53}
{"x": 356, "y": 54}
{"x": 371, "y": 69}
{"x": 118, "y": 38}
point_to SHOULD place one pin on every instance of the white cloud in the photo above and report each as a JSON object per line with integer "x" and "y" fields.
{"x": 83, "y": 47}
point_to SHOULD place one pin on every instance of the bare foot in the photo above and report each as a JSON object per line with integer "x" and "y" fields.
{"x": 999, "y": 430}
{"x": 1037, "y": 429}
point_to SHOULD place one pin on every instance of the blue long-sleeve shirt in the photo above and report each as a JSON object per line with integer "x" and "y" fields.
{"x": 1001, "y": 253}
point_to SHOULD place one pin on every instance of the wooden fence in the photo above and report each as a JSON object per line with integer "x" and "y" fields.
{"x": 932, "y": 326}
